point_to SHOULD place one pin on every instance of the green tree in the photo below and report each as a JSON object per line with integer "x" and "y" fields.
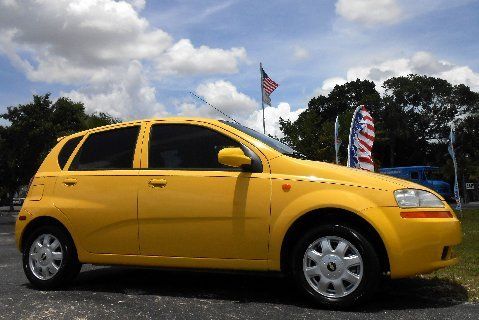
{"x": 412, "y": 122}
{"x": 99, "y": 119}
{"x": 467, "y": 142}
{"x": 417, "y": 112}
{"x": 312, "y": 133}
{"x": 33, "y": 131}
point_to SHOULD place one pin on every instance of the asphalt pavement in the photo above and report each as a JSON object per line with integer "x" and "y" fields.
{"x": 136, "y": 293}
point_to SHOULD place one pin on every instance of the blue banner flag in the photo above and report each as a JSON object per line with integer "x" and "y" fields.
{"x": 452, "y": 140}
{"x": 337, "y": 141}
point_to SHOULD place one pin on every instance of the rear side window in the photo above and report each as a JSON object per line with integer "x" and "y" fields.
{"x": 67, "y": 150}
{"x": 179, "y": 146}
{"x": 108, "y": 150}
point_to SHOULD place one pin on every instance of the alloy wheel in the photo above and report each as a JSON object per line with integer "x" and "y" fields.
{"x": 333, "y": 266}
{"x": 45, "y": 256}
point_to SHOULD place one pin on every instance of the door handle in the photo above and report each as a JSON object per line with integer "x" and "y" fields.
{"x": 157, "y": 183}
{"x": 70, "y": 182}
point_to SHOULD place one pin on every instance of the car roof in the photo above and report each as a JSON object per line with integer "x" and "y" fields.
{"x": 126, "y": 123}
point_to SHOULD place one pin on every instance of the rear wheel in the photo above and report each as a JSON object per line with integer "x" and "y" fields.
{"x": 50, "y": 258}
{"x": 335, "y": 266}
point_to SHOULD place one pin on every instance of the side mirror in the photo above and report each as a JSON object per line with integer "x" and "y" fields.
{"x": 233, "y": 157}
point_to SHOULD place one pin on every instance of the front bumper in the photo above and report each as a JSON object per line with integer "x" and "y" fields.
{"x": 416, "y": 245}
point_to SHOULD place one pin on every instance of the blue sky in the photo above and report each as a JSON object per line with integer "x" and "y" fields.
{"x": 139, "y": 58}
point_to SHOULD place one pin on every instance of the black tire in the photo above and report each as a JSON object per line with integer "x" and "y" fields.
{"x": 371, "y": 272}
{"x": 69, "y": 267}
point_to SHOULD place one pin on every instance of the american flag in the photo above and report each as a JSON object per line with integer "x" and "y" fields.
{"x": 268, "y": 87}
{"x": 361, "y": 139}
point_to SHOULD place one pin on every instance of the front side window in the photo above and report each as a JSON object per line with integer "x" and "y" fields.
{"x": 107, "y": 150}
{"x": 180, "y": 146}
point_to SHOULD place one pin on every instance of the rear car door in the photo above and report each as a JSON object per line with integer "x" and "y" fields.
{"x": 98, "y": 190}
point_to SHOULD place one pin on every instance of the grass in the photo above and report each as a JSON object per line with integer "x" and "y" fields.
{"x": 466, "y": 272}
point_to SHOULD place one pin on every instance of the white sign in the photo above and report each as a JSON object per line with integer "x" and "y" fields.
{"x": 469, "y": 186}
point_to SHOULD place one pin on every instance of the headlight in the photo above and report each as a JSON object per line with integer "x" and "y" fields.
{"x": 412, "y": 198}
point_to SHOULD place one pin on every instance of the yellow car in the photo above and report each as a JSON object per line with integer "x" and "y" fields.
{"x": 202, "y": 193}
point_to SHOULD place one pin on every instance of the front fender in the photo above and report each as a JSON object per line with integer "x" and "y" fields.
{"x": 288, "y": 207}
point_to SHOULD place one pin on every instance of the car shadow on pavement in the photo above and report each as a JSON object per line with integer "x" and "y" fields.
{"x": 253, "y": 288}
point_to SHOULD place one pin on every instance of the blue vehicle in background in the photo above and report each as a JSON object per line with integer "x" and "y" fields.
{"x": 426, "y": 175}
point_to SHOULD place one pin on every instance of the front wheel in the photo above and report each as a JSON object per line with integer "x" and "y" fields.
{"x": 336, "y": 266}
{"x": 49, "y": 258}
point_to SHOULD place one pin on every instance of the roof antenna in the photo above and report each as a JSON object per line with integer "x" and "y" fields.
{"x": 201, "y": 99}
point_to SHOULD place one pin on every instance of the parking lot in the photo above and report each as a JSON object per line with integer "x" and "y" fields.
{"x": 120, "y": 293}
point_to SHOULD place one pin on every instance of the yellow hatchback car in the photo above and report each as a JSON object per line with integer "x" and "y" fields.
{"x": 211, "y": 194}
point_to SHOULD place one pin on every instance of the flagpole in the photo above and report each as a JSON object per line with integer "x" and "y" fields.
{"x": 262, "y": 95}
{"x": 336, "y": 139}
{"x": 349, "y": 163}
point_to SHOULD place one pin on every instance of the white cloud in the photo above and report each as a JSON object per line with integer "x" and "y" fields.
{"x": 369, "y": 12}
{"x": 221, "y": 94}
{"x": 464, "y": 74}
{"x": 328, "y": 85}
{"x": 423, "y": 63}
{"x": 301, "y": 53}
{"x": 184, "y": 58}
{"x": 100, "y": 46}
{"x": 272, "y": 116}
{"x": 70, "y": 41}
{"x": 137, "y": 4}
{"x": 224, "y": 95}
{"x": 189, "y": 108}
{"x": 131, "y": 97}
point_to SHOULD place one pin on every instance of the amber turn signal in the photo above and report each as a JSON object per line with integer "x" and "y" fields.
{"x": 426, "y": 214}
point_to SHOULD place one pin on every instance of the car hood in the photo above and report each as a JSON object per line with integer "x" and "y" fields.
{"x": 320, "y": 171}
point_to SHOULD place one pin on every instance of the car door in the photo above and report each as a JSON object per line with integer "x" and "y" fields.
{"x": 98, "y": 191}
{"x": 190, "y": 205}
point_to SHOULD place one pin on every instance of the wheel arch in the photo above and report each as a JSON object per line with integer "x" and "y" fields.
{"x": 40, "y": 222}
{"x": 331, "y": 215}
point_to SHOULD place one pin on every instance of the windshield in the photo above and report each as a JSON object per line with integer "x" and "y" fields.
{"x": 273, "y": 143}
